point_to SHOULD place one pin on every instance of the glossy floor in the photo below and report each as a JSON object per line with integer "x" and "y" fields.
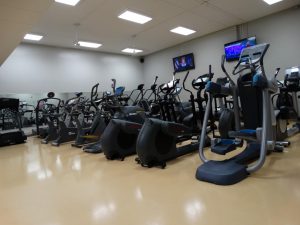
{"x": 44, "y": 185}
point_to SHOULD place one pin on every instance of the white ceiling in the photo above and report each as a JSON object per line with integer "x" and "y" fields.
{"x": 16, "y": 18}
{"x": 99, "y": 22}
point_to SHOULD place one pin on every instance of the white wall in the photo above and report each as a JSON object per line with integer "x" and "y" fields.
{"x": 32, "y": 99}
{"x": 207, "y": 50}
{"x": 36, "y": 69}
{"x": 281, "y": 30}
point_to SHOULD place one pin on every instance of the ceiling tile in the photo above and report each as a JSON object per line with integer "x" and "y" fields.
{"x": 216, "y": 14}
{"x": 100, "y": 23}
{"x": 32, "y": 5}
{"x": 249, "y": 10}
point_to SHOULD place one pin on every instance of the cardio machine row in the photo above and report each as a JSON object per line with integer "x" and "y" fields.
{"x": 153, "y": 123}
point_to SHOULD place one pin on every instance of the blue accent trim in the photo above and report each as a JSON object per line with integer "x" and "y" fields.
{"x": 208, "y": 86}
{"x": 212, "y": 87}
{"x": 250, "y": 132}
{"x": 119, "y": 91}
{"x": 259, "y": 81}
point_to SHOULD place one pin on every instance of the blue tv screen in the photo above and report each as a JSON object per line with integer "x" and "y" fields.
{"x": 233, "y": 50}
{"x": 184, "y": 63}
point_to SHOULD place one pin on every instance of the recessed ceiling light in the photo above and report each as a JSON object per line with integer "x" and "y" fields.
{"x": 271, "y": 2}
{"x": 134, "y": 17}
{"x": 182, "y": 31}
{"x": 132, "y": 50}
{"x": 68, "y": 2}
{"x": 33, "y": 37}
{"x": 89, "y": 44}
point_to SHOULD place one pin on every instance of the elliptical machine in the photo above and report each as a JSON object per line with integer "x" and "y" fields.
{"x": 113, "y": 106}
{"x": 156, "y": 143}
{"x": 46, "y": 111}
{"x": 259, "y": 120}
{"x": 67, "y": 131}
{"x": 287, "y": 100}
{"x": 119, "y": 138}
{"x": 88, "y": 134}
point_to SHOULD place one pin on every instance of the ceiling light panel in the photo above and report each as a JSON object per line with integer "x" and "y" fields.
{"x": 89, "y": 44}
{"x": 132, "y": 50}
{"x": 271, "y": 2}
{"x": 68, "y": 2}
{"x": 134, "y": 17}
{"x": 33, "y": 37}
{"x": 183, "y": 31}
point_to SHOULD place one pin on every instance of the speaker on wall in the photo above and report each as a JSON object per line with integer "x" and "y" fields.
{"x": 142, "y": 60}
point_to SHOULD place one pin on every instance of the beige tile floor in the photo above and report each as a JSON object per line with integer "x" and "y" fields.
{"x": 44, "y": 185}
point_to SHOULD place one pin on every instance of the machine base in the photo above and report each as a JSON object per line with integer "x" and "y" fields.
{"x": 222, "y": 172}
{"x": 12, "y": 138}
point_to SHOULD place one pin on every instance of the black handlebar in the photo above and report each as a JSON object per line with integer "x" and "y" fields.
{"x": 211, "y": 74}
{"x": 200, "y": 82}
{"x": 236, "y": 67}
{"x": 114, "y": 85}
{"x": 153, "y": 89}
{"x": 223, "y": 65}
{"x": 248, "y": 65}
{"x": 154, "y": 85}
{"x": 277, "y": 72}
{"x": 94, "y": 91}
{"x": 155, "y": 79}
{"x": 37, "y": 109}
{"x": 166, "y": 89}
{"x": 94, "y": 95}
{"x": 224, "y": 69}
{"x": 184, "y": 80}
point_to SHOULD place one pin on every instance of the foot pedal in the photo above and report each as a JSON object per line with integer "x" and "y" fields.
{"x": 76, "y": 145}
{"x": 55, "y": 144}
{"x": 225, "y": 172}
{"x": 223, "y": 146}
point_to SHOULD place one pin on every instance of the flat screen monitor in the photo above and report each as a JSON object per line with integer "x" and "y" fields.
{"x": 184, "y": 63}
{"x": 233, "y": 50}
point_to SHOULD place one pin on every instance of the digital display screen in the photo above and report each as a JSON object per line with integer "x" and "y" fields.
{"x": 233, "y": 50}
{"x": 184, "y": 63}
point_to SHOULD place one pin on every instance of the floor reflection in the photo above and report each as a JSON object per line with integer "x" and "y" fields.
{"x": 58, "y": 162}
{"x": 139, "y": 194}
{"x": 67, "y": 186}
{"x": 44, "y": 174}
{"x": 194, "y": 209}
{"x": 102, "y": 211}
{"x": 76, "y": 163}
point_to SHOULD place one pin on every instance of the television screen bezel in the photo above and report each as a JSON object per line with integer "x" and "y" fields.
{"x": 191, "y": 68}
{"x": 234, "y": 42}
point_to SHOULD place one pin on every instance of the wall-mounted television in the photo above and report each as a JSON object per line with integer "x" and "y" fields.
{"x": 234, "y": 49}
{"x": 184, "y": 63}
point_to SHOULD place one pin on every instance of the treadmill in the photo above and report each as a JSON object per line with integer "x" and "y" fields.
{"x": 16, "y": 136}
